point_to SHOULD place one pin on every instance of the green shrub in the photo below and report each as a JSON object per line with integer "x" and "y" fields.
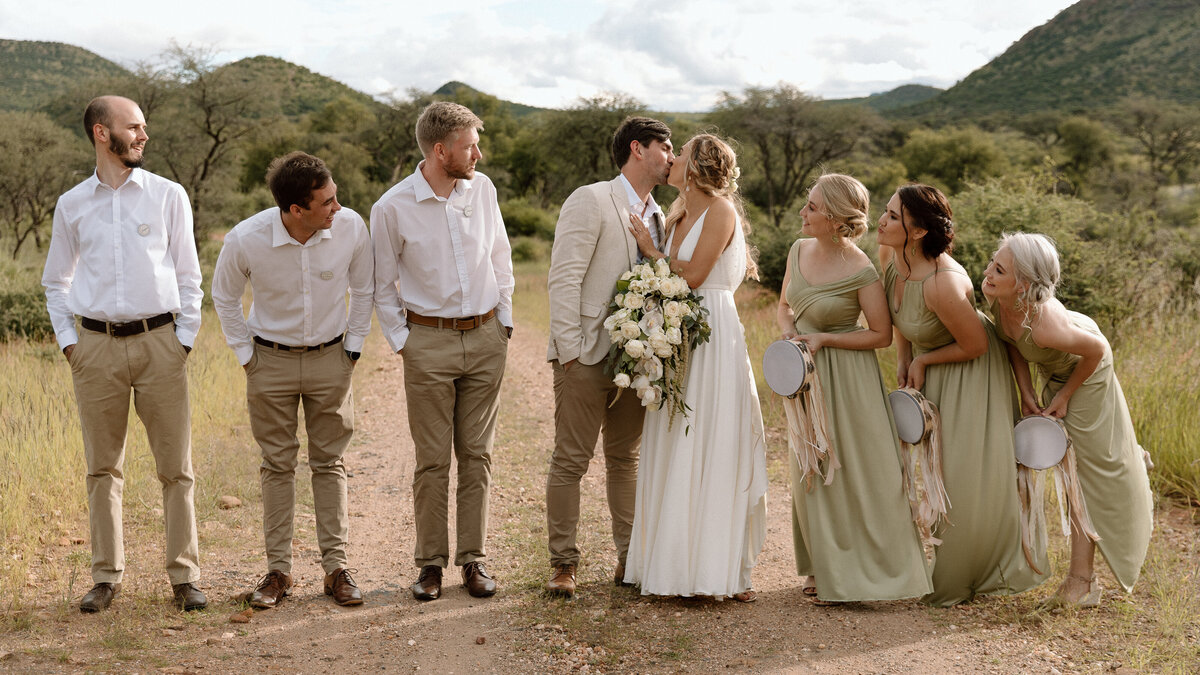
{"x": 23, "y": 315}
{"x": 529, "y": 249}
{"x": 522, "y": 219}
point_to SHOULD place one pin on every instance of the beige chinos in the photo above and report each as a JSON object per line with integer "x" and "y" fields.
{"x": 277, "y": 383}
{"x": 452, "y": 383}
{"x": 154, "y": 365}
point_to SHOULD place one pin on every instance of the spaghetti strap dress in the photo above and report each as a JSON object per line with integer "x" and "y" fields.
{"x": 855, "y": 535}
{"x": 1108, "y": 458}
{"x": 700, "y": 517}
{"x": 980, "y": 553}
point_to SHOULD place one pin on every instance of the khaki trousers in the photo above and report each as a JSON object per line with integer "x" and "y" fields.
{"x": 452, "y": 383}
{"x": 154, "y": 366}
{"x": 277, "y": 383}
{"x": 583, "y": 407}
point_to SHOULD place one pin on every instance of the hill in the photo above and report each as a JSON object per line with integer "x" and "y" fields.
{"x": 904, "y": 95}
{"x": 460, "y": 89}
{"x": 1093, "y": 53}
{"x": 303, "y": 91}
{"x": 35, "y": 73}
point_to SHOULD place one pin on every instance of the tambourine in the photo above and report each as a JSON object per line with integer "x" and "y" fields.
{"x": 1039, "y": 442}
{"x": 913, "y": 414}
{"x": 788, "y": 367}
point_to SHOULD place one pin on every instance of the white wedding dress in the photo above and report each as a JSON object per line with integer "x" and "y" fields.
{"x": 700, "y": 516}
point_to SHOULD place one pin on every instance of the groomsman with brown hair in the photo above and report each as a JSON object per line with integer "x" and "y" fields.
{"x": 299, "y": 347}
{"x": 443, "y": 295}
{"x": 123, "y": 259}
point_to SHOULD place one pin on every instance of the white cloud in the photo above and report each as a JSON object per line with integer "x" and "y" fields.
{"x": 671, "y": 55}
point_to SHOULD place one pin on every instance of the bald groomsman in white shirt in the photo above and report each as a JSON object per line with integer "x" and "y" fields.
{"x": 443, "y": 295}
{"x": 299, "y": 347}
{"x": 122, "y": 258}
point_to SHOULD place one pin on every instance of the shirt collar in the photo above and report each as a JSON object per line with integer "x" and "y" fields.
{"x": 423, "y": 191}
{"x": 135, "y": 176}
{"x": 636, "y": 204}
{"x": 280, "y": 236}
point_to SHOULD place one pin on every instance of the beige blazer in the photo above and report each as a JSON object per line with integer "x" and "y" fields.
{"x": 592, "y": 247}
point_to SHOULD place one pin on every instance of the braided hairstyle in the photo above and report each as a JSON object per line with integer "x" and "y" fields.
{"x": 925, "y": 206}
{"x": 711, "y": 167}
{"x": 846, "y": 203}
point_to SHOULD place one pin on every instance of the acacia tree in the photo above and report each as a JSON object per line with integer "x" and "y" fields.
{"x": 793, "y": 135}
{"x": 1167, "y": 135}
{"x": 574, "y": 146}
{"x": 39, "y": 160}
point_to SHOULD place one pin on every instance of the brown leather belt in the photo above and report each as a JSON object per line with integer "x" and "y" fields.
{"x": 466, "y": 323}
{"x": 128, "y": 328}
{"x": 286, "y": 348}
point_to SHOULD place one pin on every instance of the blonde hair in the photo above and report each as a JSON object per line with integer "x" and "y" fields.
{"x": 1035, "y": 263}
{"x": 846, "y": 203}
{"x": 712, "y": 168}
{"x": 439, "y": 120}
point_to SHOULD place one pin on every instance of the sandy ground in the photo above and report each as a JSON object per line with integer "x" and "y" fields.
{"x": 607, "y": 629}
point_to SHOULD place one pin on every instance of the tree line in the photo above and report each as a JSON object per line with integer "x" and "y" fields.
{"x": 1118, "y": 177}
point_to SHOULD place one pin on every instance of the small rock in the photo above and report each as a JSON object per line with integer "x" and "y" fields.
{"x": 241, "y": 617}
{"x": 174, "y": 670}
{"x": 4, "y": 656}
{"x": 168, "y": 632}
{"x": 213, "y": 641}
{"x": 821, "y": 646}
{"x": 480, "y": 640}
{"x": 78, "y": 540}
{"x": 412, "y": 643}
{"x": 228, "y": 502}
{"x": 63, "y": 541}
{"x": 226, "y": 636}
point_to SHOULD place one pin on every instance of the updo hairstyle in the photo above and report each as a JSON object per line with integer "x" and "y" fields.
{"x": 925, "y": 206}
{"x": 846, "y": 203}
{"x": 1035, "y": 264}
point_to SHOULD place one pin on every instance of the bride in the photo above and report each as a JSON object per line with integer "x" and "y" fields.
{"x": 700, "y": 514}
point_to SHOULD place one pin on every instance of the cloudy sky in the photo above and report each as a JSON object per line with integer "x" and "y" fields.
{"x": 674, "y": 55}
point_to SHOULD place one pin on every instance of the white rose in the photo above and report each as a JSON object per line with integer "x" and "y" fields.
{"x": 674, "y": 336}
{"x": 626, "y": 276}
{"x": 650, "y": 396}
{"x": 674, "y": 287}
{"x": 662, "y": 268}
{"x": 630, "y": 330}
{"x": 619, "y": 299}
{"x": 673, "y": 308}
{"x": 640, "y": 382}
{"x": 622, "y": 380}
{"x": 635, "y": 348}
{"x": 642, "y": 270}
{"x": 653, "y": 284}
{"x": 634, "y": 301}
{"x": 611, "y": 321}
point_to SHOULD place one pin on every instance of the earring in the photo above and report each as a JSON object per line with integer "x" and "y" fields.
{"x": 833, "y": 237}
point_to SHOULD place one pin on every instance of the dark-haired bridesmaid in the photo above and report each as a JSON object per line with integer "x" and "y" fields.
{"x": 950, "y": 351}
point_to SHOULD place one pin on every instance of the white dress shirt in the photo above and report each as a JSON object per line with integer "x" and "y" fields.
{"x": 122, "y": 255}
{"x": 646, "y": 211}
{"x": 447, "y": 258}
{"x": 299, "y": 289}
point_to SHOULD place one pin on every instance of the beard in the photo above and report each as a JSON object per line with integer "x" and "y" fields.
{"x": 122, "y": 150}
{"x": 464, "y": 171}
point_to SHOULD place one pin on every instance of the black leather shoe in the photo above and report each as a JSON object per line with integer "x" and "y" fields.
{"x": 429, "y": 584}
{"x": 477, "y": 580}
{"x": 99, "y": 598}
{"x": 188, "y": 597}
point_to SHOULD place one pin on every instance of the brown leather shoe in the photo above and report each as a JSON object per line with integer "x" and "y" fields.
{"x": 188, "y": 597}
{"x": 429, "y": 584}
{"x": 99, "y": 598}
{"x": 619, "y": 575}
{"x": 342, "y": 588}
{"x": 563, "y": 581}
{"x": 272, "y": 588}
{"x": 477, "y": 580}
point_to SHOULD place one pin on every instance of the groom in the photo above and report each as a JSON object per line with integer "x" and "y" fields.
{"x": 592, "y": 247}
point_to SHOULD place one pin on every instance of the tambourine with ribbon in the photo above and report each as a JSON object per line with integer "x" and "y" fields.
{"x": 1041, "y": 443}
{"x": 919, "y": 427}
{"x": 791, "y": 372}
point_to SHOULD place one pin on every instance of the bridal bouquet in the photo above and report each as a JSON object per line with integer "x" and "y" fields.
{"x": 654, "y": 322}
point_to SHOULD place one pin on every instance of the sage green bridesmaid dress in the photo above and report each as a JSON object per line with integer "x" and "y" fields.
{"x": 855, "y": 535}
{"x": 980, "y": 551}
{"x": 1109, "y": 460}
